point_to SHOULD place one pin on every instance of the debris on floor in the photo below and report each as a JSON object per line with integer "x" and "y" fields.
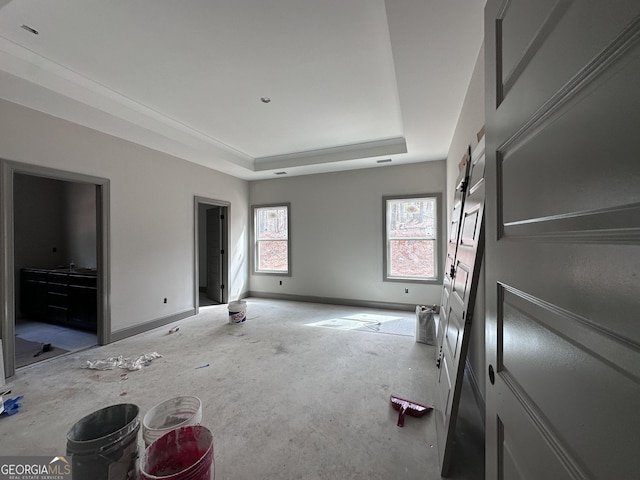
{"x": 45, "y": 348}
{"x": 122, "y": 362}
{"x": 410, "y": 408}
{"x": 10, "y": 406}
{"x": 173, "y": 330}
{"x": 203, "y": 366}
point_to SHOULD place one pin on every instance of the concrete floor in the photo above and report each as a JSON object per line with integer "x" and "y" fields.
{"x": 284, "y": 400}
{"x": 66, "y": 338}
{"x": 62, "y": 339}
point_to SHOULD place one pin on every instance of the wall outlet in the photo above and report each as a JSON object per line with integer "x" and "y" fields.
{"x": 165, "y": 300}
{"x": 406, "y": 290}
{"x": 280, "y": 282}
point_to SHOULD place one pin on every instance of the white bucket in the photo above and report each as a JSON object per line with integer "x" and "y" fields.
{"x": 237, "y": 311}
{"x": 169, "y": 415}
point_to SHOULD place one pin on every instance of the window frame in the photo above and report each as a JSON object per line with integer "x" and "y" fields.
{"x": 438, "y": 261}
{"x": 255, "y": 241}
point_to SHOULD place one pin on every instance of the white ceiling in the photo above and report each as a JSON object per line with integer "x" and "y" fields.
{"x": 350, "y": 81}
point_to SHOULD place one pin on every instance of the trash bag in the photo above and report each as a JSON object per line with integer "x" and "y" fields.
{"x": 122, "y": 362}
{"x": 425, "y": 325}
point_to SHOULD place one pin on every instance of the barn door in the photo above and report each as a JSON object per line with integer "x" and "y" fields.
{"x": 459, "y": 310}
{"x": 452, "y": 245}
{"x": 563, "y": 239}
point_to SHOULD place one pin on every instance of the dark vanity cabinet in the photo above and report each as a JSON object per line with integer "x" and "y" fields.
{"x": 59, "y": 296}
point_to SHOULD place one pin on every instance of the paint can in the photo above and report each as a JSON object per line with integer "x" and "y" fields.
{"x": 103, "y": 445}
{"x": 171, "y": 414}
{"x": 185, "y": 453}
{"x": 237, "y": 311}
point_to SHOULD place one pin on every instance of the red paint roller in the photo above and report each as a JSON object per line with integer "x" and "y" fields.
{"x": 410, "y": 408}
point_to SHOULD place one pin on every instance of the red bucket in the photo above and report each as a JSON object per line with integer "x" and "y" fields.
{"x": 182, "y": 454}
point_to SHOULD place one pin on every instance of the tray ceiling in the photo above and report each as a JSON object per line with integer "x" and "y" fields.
{"x": 250, "y": 87}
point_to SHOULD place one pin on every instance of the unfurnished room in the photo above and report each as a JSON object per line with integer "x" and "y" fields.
{"x": 338, "y": 239}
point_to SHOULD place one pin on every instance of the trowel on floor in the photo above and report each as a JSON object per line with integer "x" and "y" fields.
{"x": 409, "y": 408}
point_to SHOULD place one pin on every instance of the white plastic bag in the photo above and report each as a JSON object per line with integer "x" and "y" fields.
{"x": 122, "y": 362}
{"x": 425, "y": 325}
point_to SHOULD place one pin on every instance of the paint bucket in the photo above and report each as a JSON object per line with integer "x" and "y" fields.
{"x": 103, "y": 445}
{"x": 185, "y": 453}
{"x": 171, "y": 414}
{"x": 237, "y": 311}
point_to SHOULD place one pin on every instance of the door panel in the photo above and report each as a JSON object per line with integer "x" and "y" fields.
{"x": 515, "y": 450}
{"x": 581, "y": 190}
{"x": 214, "y": 254}
{"x": 452, "y": 246}
{"x": 532, "y": 39}
{"x": 459, "y": 309}
{"x": 541, "y": 365}
{"x": 563, "y": 241}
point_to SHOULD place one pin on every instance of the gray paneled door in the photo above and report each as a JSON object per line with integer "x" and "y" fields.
{"x": 563, "y": 239}
{"x": 215, "y": 253}
{"x": 456, "y": 314}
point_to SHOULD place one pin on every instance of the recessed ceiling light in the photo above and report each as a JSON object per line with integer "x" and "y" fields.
{"x": 387, "y": 160}
{"x": 29, "y": 29}
{"x": 265, "y": 99}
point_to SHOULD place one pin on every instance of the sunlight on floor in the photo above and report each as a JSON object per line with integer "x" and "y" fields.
{"x": 395, "y": 325}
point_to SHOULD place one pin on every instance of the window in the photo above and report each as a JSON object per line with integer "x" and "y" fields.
{"x": 271, "y": 239}
{"x": 411, "y": 238}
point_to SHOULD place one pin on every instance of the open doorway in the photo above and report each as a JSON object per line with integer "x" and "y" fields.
{"x": 211, "y": 247}
{"x": 54, "y": 263}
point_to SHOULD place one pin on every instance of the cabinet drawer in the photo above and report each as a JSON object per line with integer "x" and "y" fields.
{"x": 59, "y": 288}
{"x": 82, "y": 280}
{"x": 57, "y": 299}
{"x": 57, "y": 277}
{"x": 34, "y": 275}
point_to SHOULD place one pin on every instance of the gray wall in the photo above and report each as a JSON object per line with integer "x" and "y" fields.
{"x": 469, "y": 124}
{"x": 39, "y": 222}
{"x": 337, "y": 232}
{"x": 151, "y": 210}
{"x": 80, "y": 224}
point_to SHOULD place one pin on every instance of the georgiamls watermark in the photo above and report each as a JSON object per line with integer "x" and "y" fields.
{"x": 34, "y": 468}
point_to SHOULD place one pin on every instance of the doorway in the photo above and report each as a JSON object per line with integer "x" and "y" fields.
{"x": 211, "y": 249}
{"x": 54, "y": 263}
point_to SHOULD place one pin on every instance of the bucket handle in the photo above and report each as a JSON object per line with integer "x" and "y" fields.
{"x": 105, "y": 450}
